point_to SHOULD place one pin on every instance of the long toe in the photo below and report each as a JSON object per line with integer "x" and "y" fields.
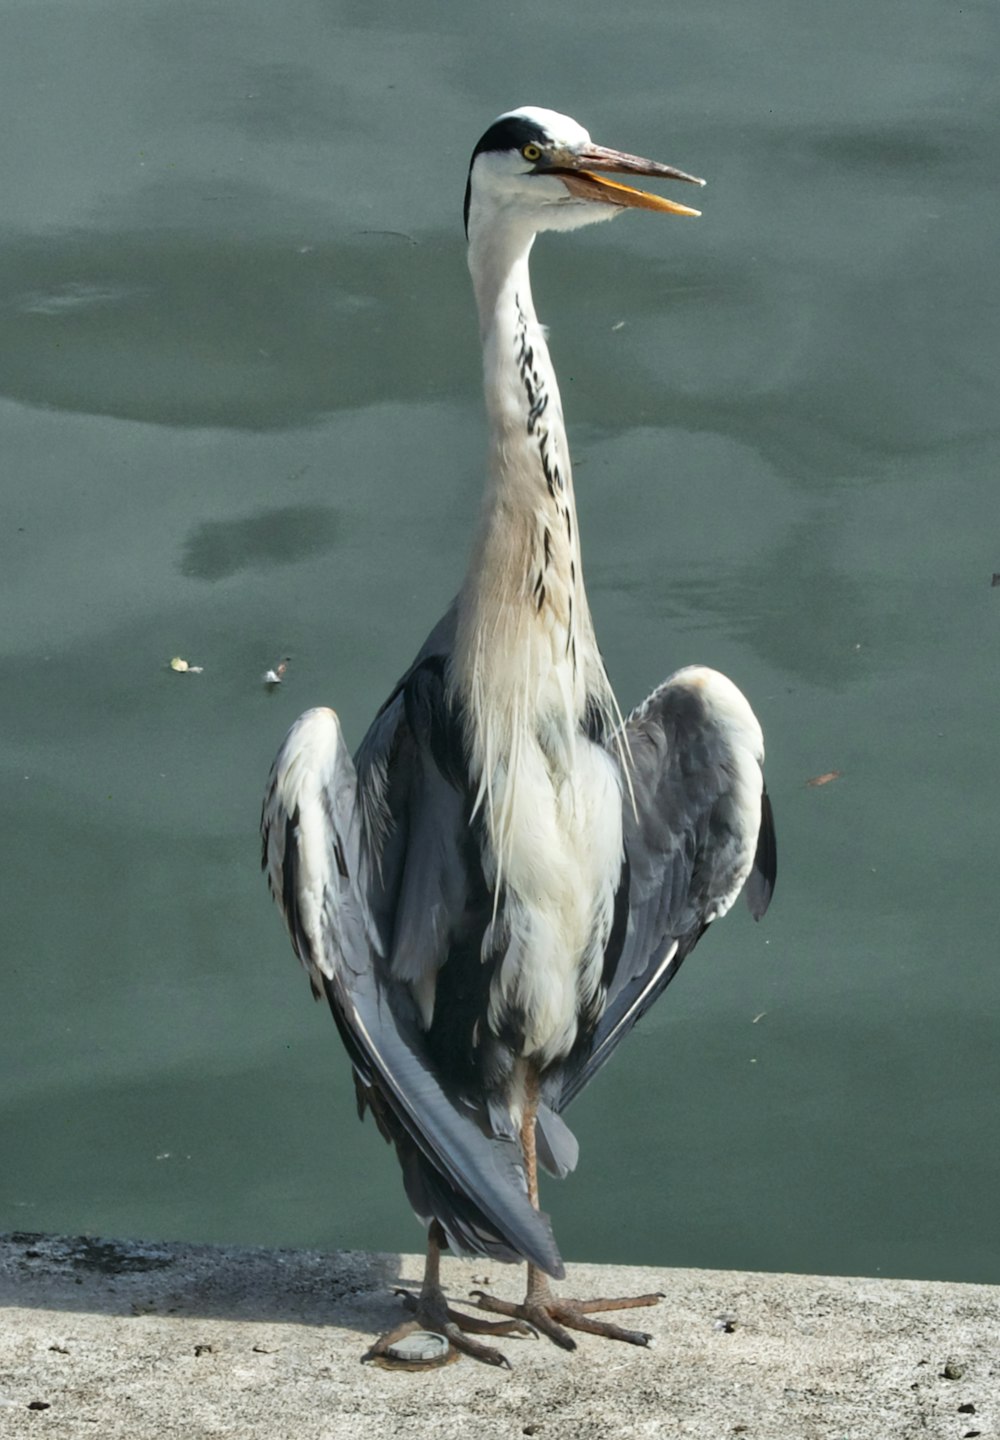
{"x": 574, "y": 1317}
{"x": 556, "y": 1317}
{"x": 628, "y": 1302}
{"x": 460, "y": 1341}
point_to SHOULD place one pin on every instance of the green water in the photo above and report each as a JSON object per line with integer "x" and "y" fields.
{"x": 239, "y": 398}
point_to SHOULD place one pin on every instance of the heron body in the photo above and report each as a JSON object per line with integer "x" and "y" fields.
{"x": 508, "y": 874}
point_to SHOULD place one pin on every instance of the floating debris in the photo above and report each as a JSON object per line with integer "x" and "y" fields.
{"x": 183, "y": 668}
{"x": 393, "y": 235}
{"x": 275, "y": 676}
{"x": 824, "y": 779}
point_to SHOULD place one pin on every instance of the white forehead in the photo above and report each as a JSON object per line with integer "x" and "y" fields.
{"x": 562, "y": 129}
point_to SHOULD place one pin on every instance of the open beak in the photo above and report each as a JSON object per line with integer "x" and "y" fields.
{"x": 577, "y": 175}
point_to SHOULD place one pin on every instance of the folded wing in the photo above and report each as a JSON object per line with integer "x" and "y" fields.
{"x": 335, "y": 861}
{"x": 700, "y": 830}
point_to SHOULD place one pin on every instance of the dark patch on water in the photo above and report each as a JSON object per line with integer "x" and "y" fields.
{"x": 220, "y": 548}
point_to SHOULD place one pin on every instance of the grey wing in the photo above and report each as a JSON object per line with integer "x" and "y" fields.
{"x": 700, "y": 830}
{"x": 329, "y": 886}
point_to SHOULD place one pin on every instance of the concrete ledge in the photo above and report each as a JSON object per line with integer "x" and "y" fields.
{"x": 110, "y": 1338}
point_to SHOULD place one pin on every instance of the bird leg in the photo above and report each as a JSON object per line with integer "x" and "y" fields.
{"x": 431, "y": 1311}
{"x": 542, "y": 1309}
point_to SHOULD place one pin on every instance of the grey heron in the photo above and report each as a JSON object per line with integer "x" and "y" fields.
{"x": 507, "y": 874}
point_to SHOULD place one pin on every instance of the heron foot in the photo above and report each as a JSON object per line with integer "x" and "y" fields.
{"x": 432, "y": 1313}
{"x": 555, "y": 1317}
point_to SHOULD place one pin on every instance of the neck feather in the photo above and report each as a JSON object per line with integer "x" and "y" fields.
{"x": 526, "y": 661}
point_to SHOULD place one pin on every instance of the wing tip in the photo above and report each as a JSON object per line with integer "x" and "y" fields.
{"x": 760, "y": 885}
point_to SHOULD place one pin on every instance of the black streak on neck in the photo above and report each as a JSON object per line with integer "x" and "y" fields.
{"x": 538, "y": 400}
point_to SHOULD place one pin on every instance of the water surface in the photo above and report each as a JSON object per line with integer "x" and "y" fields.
{"x": 239, "y": 393}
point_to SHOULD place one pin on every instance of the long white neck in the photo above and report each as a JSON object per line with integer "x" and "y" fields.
{"x": 529, "y": 680}
{"x": 526, "y": 662}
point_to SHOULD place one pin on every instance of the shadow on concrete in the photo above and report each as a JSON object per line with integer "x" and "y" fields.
{"x": 87, "y": 1274}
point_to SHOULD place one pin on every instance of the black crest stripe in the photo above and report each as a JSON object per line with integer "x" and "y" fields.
{"x": 511, "y": 132}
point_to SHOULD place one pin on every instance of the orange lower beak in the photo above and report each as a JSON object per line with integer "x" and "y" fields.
{"x": 588, "y": 186}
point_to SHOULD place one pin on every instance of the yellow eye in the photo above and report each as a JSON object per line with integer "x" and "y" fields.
{"x": 531, "y": 152}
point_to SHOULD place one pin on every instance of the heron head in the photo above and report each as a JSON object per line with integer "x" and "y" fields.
{"x": 538, "y": 166}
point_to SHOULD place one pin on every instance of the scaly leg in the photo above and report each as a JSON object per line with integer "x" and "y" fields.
{"x": 540, "y": 1308}
{"x": 431, "y": 1311}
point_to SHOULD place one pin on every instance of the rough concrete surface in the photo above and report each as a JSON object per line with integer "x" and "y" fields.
{"x": 112, "y": 1338}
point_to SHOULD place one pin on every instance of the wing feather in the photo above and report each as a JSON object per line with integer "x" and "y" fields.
{"x": 700, "y": 829}
{"x": 322, "y": 874}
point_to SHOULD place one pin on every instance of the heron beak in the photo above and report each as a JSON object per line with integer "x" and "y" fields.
{"x": 580, "y": 180}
